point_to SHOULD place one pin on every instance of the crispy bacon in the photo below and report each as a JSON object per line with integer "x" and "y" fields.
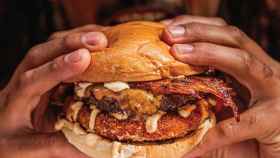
{"x": 194, "y": 86}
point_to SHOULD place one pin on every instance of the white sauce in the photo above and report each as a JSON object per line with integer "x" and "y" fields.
{"x": 78, "y": 130}
{"x": 152, "y": 121}
{"x": 186, "y": 110}
{"x": 80, "y": 88}
{"x": 122, "y": 151}
{"x": 116, "y": 86}
{"x": 74, "y": 111}
{"x": 63, "y": 123}
{"x": 92, "y": 118}
{"x": 92, "y": 139}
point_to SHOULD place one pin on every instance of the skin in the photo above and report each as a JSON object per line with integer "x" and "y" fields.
{"x": 211, "y": 42}
{"x": 26, "y": 129}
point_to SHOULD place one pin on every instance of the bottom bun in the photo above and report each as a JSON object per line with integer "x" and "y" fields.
{"x": 97, "y": 147}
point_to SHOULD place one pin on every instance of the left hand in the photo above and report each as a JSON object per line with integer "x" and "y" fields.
{"x": 26, "y": 121}
{"x": 211, "y": 42}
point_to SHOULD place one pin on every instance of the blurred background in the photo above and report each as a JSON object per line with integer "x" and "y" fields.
{"x": 27, "y": 23}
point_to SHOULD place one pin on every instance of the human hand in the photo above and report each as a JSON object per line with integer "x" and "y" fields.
{"x": 25, "y": 123}
{"x": 211, "y": 42}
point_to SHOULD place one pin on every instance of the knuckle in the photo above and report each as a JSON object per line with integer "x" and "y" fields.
{"x": 53, "y": 66}
{"x": 227, "y": 130}
{"x": 181, "y": 17}
{"x": 247, "y": 62}
{"x": 71, "y": 41}
{"x": 25, "y": 79}
{"x": 56, "y": 35}
{"x": 220, "y": 20}
{"x": 194, "y": 29}
{"x": 238, "y": 35}
{"x": 90, "y": 26}
{"x": 204, "y": 53}
{"x": 33, "y": 52}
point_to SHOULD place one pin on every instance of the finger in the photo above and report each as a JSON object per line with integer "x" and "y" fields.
{"x": 39, "y": 145}
{"x": 43, "y": 53}
{"x": 198, "y": 32}
{"x": 36, "y": 82}
{"x": 253, "y": 124}
{"x": 242, "y": 66}
{"x": 223, "y": 35}
{"x": 39, "y": 80}
{"x": 83, "y": 29}
{"x": 185, "y": 19}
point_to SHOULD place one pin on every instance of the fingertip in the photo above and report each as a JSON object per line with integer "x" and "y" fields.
{"x": 167, "y": 37}
{"x": 166, "y": 22}
{"x": 181, "y": 51}
{"x": 78, "y": 60}
{"x": 94, "y": 40}
{"x": 173, "y": 34}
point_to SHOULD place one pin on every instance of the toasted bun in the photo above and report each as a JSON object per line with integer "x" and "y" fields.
{"x": 102, "y": 148}
{"x": 135, "y": 52}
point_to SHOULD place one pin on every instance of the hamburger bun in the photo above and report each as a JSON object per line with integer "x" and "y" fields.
{"x": 104, "y": 148}
{"x": 135, "y": 52}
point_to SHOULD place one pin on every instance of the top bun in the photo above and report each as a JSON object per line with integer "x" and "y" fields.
{"x": 135, "y": 52}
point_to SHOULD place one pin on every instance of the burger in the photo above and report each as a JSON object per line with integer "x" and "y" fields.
{"x": 136, "y": 101}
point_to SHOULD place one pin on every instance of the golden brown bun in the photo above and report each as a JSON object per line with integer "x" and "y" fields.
{"x": 135, "y": 53}
{"x": 102, "y": 148}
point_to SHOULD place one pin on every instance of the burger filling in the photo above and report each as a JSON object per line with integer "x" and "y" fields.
{"x": 142, "y": 111}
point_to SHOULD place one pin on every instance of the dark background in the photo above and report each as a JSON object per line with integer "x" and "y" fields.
{"x": 27, "y": 23}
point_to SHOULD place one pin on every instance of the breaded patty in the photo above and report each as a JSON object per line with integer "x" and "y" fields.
{"x": 170, "y": 126}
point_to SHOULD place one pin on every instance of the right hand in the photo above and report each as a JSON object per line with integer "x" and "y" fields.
{"x": 26, "y": 124}
{"x": 212, "y": 42}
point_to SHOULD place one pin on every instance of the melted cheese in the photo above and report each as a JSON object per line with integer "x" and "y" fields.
{"x": 152, "y": 122}
{"x": 123, "y": 151}
{"x": 78, "y": 130}
{"x": 74, "y": 111}
{"x": 119, "y": 116}
{"x": 80, "y": 88}
{"x": 116, "y": 86}
{"x": 63, "y": 123}
{"x": 185, "y": 111}
{"x": 92, "y": 118}
{"x": 212, "y": 101}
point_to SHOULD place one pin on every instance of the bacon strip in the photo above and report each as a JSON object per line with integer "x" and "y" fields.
{"x": 194, "y": 86}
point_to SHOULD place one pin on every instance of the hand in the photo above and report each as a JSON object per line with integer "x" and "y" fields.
{"x": 25, "y": 123}
{"x": 211, "y": 42}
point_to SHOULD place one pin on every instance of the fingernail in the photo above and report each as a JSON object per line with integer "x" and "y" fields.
{"x": 176, "y": 31}
{"x": 90, "y": 38}
{"x": 166, "y": 22}
{"x": 183, "y": 48}
{"x": 75, "y": 56}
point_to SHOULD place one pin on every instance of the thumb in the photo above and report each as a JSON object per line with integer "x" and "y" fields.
{"x": 39, "y": 145}
{"x": 36, "y": 82}
{"x": 253, "y": 125}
